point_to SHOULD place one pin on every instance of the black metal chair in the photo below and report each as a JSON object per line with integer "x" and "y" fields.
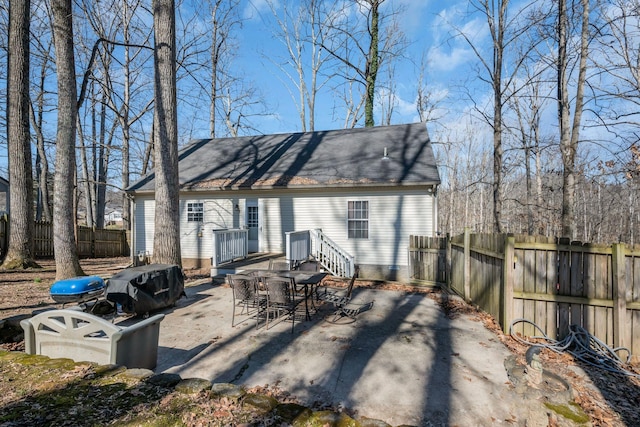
{"x": 340, "y": 298}
{"x": 245, "y": 295}
{"x": 308, "y": 266}
{"x": 281, "y": 298}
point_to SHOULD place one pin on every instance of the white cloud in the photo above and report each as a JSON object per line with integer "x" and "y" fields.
{"x": 414, "y": 15}
{"x": 255, "y": 8}
{"x": 451, "y": 29}
{"x": 447, "y": 60}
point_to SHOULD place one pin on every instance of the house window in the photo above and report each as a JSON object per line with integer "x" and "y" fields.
{"x": 252, "y": 216}
{"x": 195, "y": 212}
{"x": 358, "y": 220}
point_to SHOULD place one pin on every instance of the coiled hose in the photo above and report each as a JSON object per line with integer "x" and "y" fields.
{"x": 581, "y": 345}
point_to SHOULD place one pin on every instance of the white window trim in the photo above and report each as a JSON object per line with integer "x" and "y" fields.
{"x": 368, "y": 220}
{"x": 193, "y": 209}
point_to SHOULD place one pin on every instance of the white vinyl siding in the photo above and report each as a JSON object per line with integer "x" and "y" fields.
{"x": 195, "y": 237}
{"x": 144, "y": 221}
{"x": 393, "y": 216}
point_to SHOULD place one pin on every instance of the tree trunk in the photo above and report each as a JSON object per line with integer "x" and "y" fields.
{"x": 126, "y": 222}
{"x": 498, "y": 99}
{"x": 86, "y": 176}
{"x": 66, "y": 256}
{"x": 569, "y": 137}
{"x": 42, "y": 163}
{"x": 166, "y": 238}
{"x": 20, "y": 251}
{"x": 372, "y": 65}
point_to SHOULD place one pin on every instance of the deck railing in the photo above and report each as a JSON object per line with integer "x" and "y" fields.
{"x": 229, "y": 245}
{"x": 301, "y": 245}
{"x": 335, "y": 259}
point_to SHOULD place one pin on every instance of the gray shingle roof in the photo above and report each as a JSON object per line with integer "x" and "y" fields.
{"x": 337, "y": 158}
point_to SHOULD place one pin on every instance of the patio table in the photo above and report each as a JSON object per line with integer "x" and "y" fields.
{"x": 306, "y": 279}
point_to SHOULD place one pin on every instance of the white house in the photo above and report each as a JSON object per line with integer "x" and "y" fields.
{"x": 366, "y": 189}
{"x": 113, "y": 217}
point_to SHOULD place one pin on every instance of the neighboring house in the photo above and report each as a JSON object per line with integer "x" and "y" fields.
{"x": 113, "y": 217}
{"x": 4, "y": 195}
{"x": 366, "y": 189}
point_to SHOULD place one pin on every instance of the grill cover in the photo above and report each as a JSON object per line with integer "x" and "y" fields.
{"x": 146, "y": 288}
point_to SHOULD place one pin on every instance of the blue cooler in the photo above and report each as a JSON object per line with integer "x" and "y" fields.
{"x": 77, "y": 289}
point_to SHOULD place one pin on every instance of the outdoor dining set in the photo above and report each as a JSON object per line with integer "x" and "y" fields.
{"x": 279, "y": 292}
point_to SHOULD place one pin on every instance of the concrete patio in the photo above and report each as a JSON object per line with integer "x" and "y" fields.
{"x": 403, "y": 361}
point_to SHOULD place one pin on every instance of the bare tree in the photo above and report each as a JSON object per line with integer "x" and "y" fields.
{"x": 301, "y": 31}
{"x": 166, "y": 238}
{"x": 527, "y": 106}
{"x": 426, "y": 101}
{"x": 66, "y": 256}
{"x": 123, "y": 105}
{"x": 224, "y": 18}
{"x": 363, "y": 48}
{"x": 373, "y": 62}
{"x": 570, "y": 131}
{"x": 495, "y": 13}
{"x": 20, "y": 251}
{"x": 39, "y": 106}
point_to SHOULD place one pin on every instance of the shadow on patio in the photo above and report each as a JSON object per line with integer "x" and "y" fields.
{"x": 403, "y": 362}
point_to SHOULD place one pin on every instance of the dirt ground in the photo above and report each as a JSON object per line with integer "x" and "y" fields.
{"x": 23, "y": 291}
{"x": 609, "y": 399}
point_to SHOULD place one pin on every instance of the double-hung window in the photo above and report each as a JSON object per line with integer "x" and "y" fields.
{"x": 358, "y": 219}
{"x": 195, "y": 212}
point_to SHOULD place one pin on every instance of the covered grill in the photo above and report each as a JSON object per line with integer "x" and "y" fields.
{"x": 146, "y": 288}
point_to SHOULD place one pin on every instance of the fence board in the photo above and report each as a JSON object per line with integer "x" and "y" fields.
{"x": 554, "y": 284}
{"x": 457, "y": 270}
{"x": 551, "y": 326}
{"x": 529, "y": 285}
{"x": 589, "y": 279}
{"x": 633, "y": 296}
{"x": 90, "y": 243}
{"x": 427, "y": 258}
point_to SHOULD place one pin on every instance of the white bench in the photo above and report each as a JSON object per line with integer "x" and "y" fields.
{"x": 81, "y": 336}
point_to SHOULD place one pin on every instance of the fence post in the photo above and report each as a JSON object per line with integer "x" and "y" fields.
{"x": 507, "y": 282}
{"x": 467, "y": 265}
{"x": 619, "y": 295}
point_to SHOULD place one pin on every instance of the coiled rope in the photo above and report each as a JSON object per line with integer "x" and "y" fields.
{"x": 581, "y": 345}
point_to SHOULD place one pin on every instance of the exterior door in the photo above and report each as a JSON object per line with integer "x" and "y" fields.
{"x": 253, "y": 224}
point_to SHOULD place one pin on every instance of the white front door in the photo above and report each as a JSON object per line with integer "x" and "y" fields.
{"x": 253, "y": 224}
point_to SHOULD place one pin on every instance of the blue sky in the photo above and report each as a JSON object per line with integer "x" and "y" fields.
{"x": 424, "y": 29}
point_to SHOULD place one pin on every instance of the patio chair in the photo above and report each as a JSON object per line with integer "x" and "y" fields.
{"x": 245, "y": 295}
{"x": 308, "y": 266}
{"x": 279, "y": 265}
{"x": 340, "y": 298}
{"x": 281, "y": 298}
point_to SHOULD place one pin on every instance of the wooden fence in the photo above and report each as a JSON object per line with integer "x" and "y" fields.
{"x": 90, "y": 243}
{"x": 428, "y": 258}
{"x": 551, "y": 282}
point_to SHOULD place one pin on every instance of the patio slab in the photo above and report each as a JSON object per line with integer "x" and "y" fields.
{"x": 403, "y": 361}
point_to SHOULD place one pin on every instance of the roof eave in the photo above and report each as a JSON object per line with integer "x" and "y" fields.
{"x": 295, "y": 187}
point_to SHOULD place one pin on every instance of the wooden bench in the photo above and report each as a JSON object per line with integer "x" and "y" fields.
{"x": 81, "y": 336}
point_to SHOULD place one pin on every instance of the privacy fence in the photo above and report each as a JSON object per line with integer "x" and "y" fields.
{"x": 551, "y": 282}
{"x": 91, "y": 243}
